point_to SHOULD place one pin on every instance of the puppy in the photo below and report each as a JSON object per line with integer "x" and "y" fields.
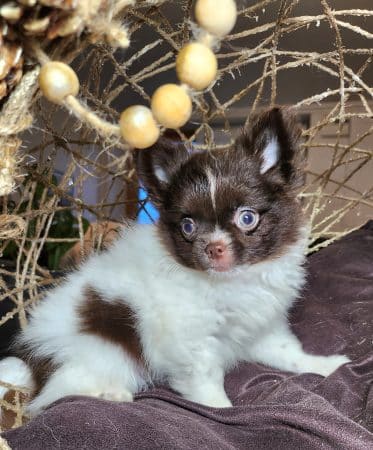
{"x": 184, "y": 300}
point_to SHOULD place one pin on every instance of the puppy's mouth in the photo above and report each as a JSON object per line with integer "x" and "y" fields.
{"x": 221, "y": 267}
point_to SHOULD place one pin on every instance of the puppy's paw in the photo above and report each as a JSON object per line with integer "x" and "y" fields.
{"x": 212, "y": 399}
{"x": 219, "y": 403}
{"x": 119, "y": 395}
{"x": 328, "y": 364}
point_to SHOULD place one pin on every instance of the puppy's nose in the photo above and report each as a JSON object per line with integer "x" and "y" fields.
{"x": 216, "y": 250}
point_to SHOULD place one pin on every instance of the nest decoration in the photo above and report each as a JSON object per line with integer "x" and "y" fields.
{"x": 47, "y": 20}
{"x": 53, "y": 160}
{"x": 26, "y": 28}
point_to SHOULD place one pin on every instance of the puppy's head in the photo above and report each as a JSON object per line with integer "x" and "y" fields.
{"x": 230, "y": 207}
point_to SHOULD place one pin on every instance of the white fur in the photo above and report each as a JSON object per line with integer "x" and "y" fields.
{"x": 14, "y": 371}
{"x": 212, "y": 183}
{"x": 161, "y": 174}
{"x": 193, "y": 325}
{"x": 220, "y": 235}
{"x": 271, "y": 154}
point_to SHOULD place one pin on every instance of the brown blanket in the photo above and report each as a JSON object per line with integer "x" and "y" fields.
{"x": 272, "y": 409}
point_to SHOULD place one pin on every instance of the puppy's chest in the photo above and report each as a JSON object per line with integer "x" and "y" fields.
{"x": 232, "y": 310}
{"x": 245, "y": 307}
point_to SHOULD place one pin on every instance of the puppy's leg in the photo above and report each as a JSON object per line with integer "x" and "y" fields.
{"x": 204, "y": 387}
{"x": 78, "y": 380}
{"x": 281, "y": 349}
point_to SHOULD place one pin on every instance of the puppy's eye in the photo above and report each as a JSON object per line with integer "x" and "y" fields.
{"x": 246, "y": 219}
{"x": 188, "y": 226}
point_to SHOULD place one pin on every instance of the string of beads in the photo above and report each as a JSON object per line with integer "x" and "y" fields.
{"x": 171, "y": 104}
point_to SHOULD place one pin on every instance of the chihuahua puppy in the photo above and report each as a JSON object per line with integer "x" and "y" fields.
{"x": 184, "y": 300}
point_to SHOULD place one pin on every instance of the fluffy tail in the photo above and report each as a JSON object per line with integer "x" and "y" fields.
{"x": 14, "y": 371}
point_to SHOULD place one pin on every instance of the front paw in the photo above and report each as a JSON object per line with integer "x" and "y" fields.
{"x": 218, "y": 403}
{"x": 119, "y": 395}
{"x": 210, "y": 398}
{"x": 328, "y": 364}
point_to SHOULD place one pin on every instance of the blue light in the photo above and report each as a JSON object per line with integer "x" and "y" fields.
{"x": 147, "y": 212}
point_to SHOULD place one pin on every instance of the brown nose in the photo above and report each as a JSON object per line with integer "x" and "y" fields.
{"x": 216, "y": 250}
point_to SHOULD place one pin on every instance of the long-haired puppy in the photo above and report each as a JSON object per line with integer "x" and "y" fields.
{"x": 184, "y": 300}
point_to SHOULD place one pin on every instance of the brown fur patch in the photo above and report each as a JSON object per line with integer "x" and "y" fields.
{"x": 114, "y": 321}
{"x": 41, "y": 368}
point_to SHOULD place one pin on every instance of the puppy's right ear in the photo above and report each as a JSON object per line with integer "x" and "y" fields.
{"x": 157, "y": 165}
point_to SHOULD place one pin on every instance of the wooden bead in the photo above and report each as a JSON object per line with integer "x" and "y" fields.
{"x": 196, "y": 65}
{"x": 218, "y": 17}
{"x": 171, "y": 105}
{"x": 138, "y": 126}
{"x": 57, "y": 80}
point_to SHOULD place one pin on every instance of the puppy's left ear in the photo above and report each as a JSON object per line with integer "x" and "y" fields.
{"x": 273, "y": 140}
{"x": 158, "y": 165}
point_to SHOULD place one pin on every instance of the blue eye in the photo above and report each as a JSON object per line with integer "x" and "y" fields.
{"x": 246, "y": 219}
{"x": 188, "y": 226}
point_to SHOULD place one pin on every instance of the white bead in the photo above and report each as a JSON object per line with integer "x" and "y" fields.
{"x": 57, "y": 80}
{"x": 138, "y": 126}
{"x": 218, "y": 17}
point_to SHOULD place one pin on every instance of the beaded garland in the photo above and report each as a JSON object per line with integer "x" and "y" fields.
{"x": 171, "y": 105}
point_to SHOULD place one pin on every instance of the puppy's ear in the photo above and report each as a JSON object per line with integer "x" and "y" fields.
{"x": 273, "y": 140}
{"x": 157, "y": 165}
